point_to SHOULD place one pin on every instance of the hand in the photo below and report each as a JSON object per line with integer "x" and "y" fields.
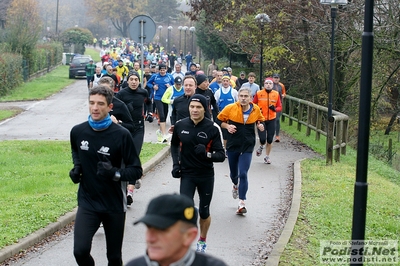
{"x": 176, "y": 171}
{"x": 200, "y": 149}
{"x": 149, "y": 117}
{"x": 171, "y": 129}
{"x": 272, "y": 107}
{"x": 105, "y": 169}
{"x": 75, "y": 174}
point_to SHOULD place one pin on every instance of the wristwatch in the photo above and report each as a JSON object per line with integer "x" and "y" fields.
{"x": 209, "y": 155}
{"x": 117, "y": 176}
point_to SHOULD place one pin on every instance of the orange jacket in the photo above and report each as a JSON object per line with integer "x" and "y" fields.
{"x": 265, "y": 99}
{"x": 244, "y": 139}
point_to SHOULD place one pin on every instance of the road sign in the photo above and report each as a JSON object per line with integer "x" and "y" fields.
{"x": 139, "y": 33}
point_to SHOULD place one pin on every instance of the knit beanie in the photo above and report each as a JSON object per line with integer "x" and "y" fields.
{"x": 199, "y": 98}
{"x": 200, "y": 78}
{"x": 132, "y": 72}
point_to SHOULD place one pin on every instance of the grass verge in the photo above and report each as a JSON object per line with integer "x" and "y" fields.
{"x": 327, "y": 202}
{"x": 35, "y": 187}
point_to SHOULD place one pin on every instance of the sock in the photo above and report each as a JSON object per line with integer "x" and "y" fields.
{"x": 202, "y": 239}
{"x": 130, "y": 191}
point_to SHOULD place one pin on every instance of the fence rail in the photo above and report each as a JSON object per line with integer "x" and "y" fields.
{"x": 315, "y": 118}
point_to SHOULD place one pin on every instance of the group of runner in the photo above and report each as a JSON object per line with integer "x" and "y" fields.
{"x": 214, "y": 118}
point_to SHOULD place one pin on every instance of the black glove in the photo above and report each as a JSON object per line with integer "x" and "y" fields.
{"x": 149, "y": 117}
{"x": 272, "y": 107}
{"x": 105, "y": 169}
{"x": 75, "y": 174}
{"x": 200, "y": 149}
{"x": 176, "y": 171}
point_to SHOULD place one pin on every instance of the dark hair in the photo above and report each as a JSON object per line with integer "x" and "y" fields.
{"x": 103, "y": 90}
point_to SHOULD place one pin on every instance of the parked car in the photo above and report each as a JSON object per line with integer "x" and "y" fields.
{"x": 77, "y": 66}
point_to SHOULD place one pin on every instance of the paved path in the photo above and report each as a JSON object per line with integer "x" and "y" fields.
{"x": 239, "y": 240}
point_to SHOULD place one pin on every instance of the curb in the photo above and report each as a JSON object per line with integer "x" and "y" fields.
{"x": 30, "y": 240}
{"x": 279, "y": 247}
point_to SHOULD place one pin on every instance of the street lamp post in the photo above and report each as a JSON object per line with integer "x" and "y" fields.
{"x": 334, "y": 6}
{"x": 169, "y": 36}
{"x": 159, "y": 35}
{"x": 184, "y": 28}
{"x": 262, "y": 19}
{"x": 180, "y": 37}
{"x": 192, "y": 30}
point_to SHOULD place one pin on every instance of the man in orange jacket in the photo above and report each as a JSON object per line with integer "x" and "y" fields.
{"x": 269, "y": 102}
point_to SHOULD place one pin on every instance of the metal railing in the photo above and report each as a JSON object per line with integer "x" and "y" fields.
{"x": 314, "y": 118}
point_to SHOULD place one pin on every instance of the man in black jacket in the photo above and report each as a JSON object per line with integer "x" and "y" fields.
{"x": 195, "y": 145}
{"x": 103, "y": 164}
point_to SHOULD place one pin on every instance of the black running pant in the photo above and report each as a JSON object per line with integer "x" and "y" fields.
{"x": 86, "y": 225}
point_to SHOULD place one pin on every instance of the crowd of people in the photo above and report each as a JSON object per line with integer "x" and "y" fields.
{"x": 214, "y": 116}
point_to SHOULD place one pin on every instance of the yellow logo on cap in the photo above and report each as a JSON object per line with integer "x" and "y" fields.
{"x": 188, "y": 213}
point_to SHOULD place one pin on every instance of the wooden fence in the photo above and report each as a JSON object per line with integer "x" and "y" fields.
{"x": 314, "y": 117}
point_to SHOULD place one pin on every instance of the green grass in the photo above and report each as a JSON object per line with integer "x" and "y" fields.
{"x": 42, "y": 87}
{"x": 94, "y": 54}
{"x": 35, "y": 186}
{"x": 327, "y": 202}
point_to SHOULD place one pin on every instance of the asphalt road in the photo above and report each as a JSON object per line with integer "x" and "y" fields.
{"x": 238, "y": 240}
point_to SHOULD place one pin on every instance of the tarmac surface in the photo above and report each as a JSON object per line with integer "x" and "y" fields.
{"x": 238, "y": 239}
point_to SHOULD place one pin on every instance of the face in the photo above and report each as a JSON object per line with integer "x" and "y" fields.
{"x": 268, "y": 85}
{"x": 189, "y": 86}
{"x": 178, "y": 68}
{"x": 163, "y": 71}
{"x": 226, "y": 83}
{"x": 244, "y": 98}
{"x": 178, "y": 86}
{"x": 169, "y": 245}
{"x": 219, "y": 76}
{"x": 251, "y": 79}
{"x": 133, "y": 82}
{"x": 136, "y": 66}
{"x": 109, "y": 69}
{"x": 147, "y": 71}
{"x": 98, "y": 107}
{"x": 193, "y": 68}
{"x": 196, "y": 111}
{"x": 98, "y": 70}
{"x": 204, "y": 85}
{"x": 242, "y": 76}
{"x": 276, "y": 79}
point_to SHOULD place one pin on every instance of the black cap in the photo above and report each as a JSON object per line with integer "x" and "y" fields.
{"x": 225, "y": 69}
{"x": 199, "y": 98}
{"x": 178, "y": 80}
{"x": 200, "y": 79}
{"x": 275, "y": 75}
{"x": 133, "y": 73}
{"x": 165, "y": 210}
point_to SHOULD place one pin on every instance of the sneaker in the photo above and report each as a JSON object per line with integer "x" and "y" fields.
{"x": 277, "y": 139}
{"x": 259, "y": 151}
{"x": 241, "y": 208}
{"x": 235, "y": 192}
{"x": 160, "y": 136}
{"x": 267, "y": 160}
{"x": 201, "y": 246}
{"x": 129, "y": 199}
{"x": 138, "y": 183}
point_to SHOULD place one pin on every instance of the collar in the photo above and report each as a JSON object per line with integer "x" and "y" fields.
{"x": 186, "y": 260}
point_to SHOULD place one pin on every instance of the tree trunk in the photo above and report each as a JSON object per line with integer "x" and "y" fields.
{"x": 391, "y": 122}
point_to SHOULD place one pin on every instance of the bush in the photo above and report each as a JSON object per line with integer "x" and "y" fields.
{"x": 10, "y": 72}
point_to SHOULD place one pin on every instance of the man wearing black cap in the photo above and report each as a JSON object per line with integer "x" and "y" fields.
{"x": 192, "y": 70}
{"x": 203, "y": 89}
{"x": 171, "y": 93}
{"x": 195, "y": 145}
{"x": 171, "y": 222}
